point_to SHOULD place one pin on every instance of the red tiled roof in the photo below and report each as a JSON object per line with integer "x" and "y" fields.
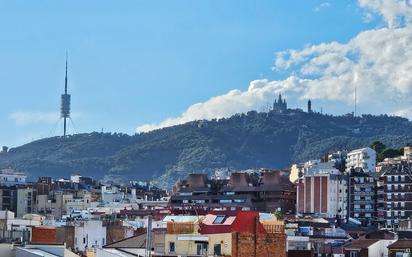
{"x": 360, "y": 244}
{"x": 400, "y": 244}
{"x": 243, "y": 222}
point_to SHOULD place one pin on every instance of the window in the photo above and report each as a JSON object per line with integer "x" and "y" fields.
{"x": 396, "y": 178}
{"x": 219, "y": 219}
{"x": 354, "y": 254}
{"x": 389, "y": 179}
{"x": 172, "y": 247}
{"x": 388, "y": 214}
{"x": 217, "y": 249}
{"x": 357, "y": 206}
{"x": 201, "y": 248}
{"x": 389, "y": 187}
{"x": 389, "y": 196}
{"x": 395, "y": 187}
{"x": 403, "y": 178}
{"x": 357, "y": 197}
{"x": 403, "y": 213}
{"x": 402, "y": 204}
{"x": 368, "y": 215}
{"x": 185, "y": 193}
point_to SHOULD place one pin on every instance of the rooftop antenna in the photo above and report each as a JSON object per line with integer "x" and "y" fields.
{"x": 355, "y": 83}
{"x": 65, "y": 103}
{"x": 355, "y": 98}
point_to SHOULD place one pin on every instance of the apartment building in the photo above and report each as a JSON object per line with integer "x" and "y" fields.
{"x": 26, "y": 201}
{"x": 362, "y": 197}
{"x": 396, "y": 193}
{"x": 263, "y": 190}
{"x": 322, "y": 192}
{"x": 363, "y": 158}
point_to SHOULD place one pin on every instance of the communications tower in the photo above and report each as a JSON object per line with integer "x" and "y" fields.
{"x": 65, "y": 104}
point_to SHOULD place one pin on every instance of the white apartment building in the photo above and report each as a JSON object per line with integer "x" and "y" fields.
{"x": 9, "y": 177}
{"x": 364, "y": 158}
{"x": 89, "y": 234}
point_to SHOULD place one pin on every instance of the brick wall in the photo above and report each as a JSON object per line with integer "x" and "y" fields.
{"x": 258, "y": 245}
{"x": 43, "y": 235}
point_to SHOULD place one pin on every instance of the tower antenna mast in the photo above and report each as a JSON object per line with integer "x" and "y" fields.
{"x": 65, "y": 103}
{"x": 355, "y": 98}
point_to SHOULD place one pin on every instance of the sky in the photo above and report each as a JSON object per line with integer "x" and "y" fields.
{"x": 135, "y": 66}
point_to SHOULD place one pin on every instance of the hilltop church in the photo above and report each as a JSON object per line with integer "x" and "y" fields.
{"x": 280, "y": 105}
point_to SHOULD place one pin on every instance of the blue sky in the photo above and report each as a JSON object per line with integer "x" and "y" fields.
{"x": 138, "y": 62}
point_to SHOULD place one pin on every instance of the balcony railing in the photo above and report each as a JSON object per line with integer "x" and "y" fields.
{"x": 274, "y": 227}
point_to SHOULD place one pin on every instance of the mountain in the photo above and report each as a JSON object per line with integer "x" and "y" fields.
{"x": 252, "y": 140}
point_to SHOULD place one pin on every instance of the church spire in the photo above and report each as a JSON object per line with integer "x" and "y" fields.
{"x": 280, "y": 105}
{"x": 65, "y": 78}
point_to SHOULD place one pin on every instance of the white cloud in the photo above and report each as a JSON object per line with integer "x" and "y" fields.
{"x": 323, "y": 5}
{"x": 377, "y": 62}
{"x": 405, "y": 112}
{"x": 395, "y": 12}
{"x": 235, "y": 101}
{"x": 24, "y": 118}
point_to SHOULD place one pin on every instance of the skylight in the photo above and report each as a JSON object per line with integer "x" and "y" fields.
{"x": 219, "y": 219}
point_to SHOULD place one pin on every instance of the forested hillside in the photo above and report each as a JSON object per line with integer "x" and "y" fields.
{"x": 242, "y": 141}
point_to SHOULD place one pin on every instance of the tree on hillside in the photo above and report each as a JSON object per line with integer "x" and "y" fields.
{"x": 389, "y": 153}
{"x": 378, "y": 146}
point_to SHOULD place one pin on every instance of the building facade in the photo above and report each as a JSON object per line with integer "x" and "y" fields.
{"x": 26, "y": 201}
{"x": 9, "y": 177}
{"x": 263, "y": 190}
{"x": 362, "y": 196}
{"x": 323, "y": 193}
{"x": 363, "y": 158}
{"x": 395, "y": 194}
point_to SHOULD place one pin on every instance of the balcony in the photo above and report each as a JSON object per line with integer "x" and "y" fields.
{"x": 274, "y": 227}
